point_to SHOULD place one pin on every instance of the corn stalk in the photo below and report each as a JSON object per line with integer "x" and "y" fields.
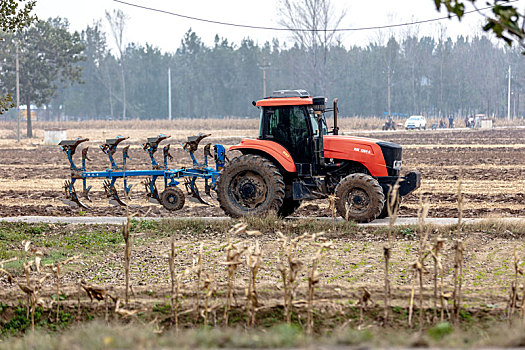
{"x": 233, "y": 260}
{"x": 198, "y": 272}
{"x": 513, "y": 300}
{"x": 171, "y": 264}
{"x": 253, "y": 261}
{"x": 290, "y": 269}
{"x": 313, "y": 277}
{"x": 438, "y": 271}
{"x": 392, "y": 209}
{"x": 56, "y": 271}
{"x": 458, "y": 277}
{"x": 127, "y": 253}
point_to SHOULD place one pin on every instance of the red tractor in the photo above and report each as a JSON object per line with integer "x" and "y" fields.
{"x": 296, "y": 158}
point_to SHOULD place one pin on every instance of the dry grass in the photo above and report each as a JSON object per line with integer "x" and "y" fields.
{"x": 96, "y": 335}
{"x": 298, "y": 252}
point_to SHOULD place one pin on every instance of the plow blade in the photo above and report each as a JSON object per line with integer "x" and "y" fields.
{"x": 192, "y": 189}
{"x": 152, "y": 194}
{"x": 85, "y": 190}
{"x": 72, "y": 199}
{"x": 85, "y": 193}
{"x": 112, "y": 193}
{"x": 74, "y": 203}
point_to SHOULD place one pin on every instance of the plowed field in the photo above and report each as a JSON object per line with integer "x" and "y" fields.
{"x": 492, "y": 164}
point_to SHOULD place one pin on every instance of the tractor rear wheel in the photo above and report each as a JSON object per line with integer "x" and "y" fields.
{"x": 359, "y": 198}
{"x": 250, "y": 185}
{"x": 288, "y": 207}
{"x": 172, "y": 198}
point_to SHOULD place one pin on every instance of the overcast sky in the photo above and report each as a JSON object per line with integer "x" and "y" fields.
{"x": 165, "y": 31}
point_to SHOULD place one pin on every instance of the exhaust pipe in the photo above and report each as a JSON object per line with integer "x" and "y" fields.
{"x": 336, "y": 128}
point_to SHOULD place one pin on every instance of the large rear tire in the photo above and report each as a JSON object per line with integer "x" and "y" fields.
{"x": 360, "y": 195}
{"x": 250, "y": 185}
{"x": 288, "y": 207}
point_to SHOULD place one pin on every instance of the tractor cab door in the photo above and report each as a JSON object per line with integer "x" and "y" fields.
{"x": 289, "y": 126}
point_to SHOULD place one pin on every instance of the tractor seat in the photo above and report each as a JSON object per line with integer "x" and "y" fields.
{"x": 72, "y": 143}
{"x": 154, "y": 141}
{"x": 197, "y": 138}
{"x": 114, "y": 142}
{"x": 193, "y": 141}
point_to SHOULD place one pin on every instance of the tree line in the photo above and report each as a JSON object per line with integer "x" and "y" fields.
{"x": 411, "y": 74}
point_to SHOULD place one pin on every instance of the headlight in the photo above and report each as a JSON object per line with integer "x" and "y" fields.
{"x": 397, "y": 164}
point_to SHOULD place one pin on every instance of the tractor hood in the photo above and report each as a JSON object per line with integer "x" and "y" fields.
{"x": 376, "y": 155}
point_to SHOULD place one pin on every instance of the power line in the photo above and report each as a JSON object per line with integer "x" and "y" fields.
{"x": 294, "y": 29}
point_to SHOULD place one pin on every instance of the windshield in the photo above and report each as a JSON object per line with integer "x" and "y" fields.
{"x": 315, "y": 124}
{"x": 261, "y": 124}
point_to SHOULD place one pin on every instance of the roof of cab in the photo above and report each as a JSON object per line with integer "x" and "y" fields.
{"x": 287, "y": 98}
{"x": 285, "y": 101}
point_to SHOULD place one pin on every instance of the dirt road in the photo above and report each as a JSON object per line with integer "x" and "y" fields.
{"x": 114, "y": 220}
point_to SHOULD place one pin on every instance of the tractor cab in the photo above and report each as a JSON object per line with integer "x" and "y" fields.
{"x": 296, "y": 121}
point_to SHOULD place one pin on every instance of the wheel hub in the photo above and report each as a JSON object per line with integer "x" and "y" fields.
{"x": 249, "y": 189}
{"x": 358, "y": 200}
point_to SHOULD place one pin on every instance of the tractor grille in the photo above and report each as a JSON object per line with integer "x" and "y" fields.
{"x": 391, "y": 153}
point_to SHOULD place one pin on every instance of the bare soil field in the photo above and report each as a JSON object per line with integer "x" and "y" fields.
{"x": 490, "y": 163}
{"x": 348, "y": 284}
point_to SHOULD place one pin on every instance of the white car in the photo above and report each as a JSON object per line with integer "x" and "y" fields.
{"x": 416, "y": 122}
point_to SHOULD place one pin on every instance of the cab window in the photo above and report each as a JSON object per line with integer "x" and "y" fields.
{"x": 288, "y": 126}
{"x": 315, "y": 124}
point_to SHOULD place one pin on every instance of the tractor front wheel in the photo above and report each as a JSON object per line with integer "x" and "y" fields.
{"x": 250, "y": 185}
{"x": 359, "y": 198}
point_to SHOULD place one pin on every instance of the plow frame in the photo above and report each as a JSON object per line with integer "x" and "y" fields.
{"x": 171, "y": 177}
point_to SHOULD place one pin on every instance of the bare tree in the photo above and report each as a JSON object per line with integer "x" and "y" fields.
{"x": 117, "y": 23}
{"x": 313, "y": 24}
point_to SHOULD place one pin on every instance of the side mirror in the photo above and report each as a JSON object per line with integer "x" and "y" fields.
{"x": 254, "y": 103}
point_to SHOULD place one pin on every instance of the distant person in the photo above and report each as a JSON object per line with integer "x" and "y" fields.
{"x": 477, "y": 121}
{"x": 467, "y": 122}
{"x": 451, "y": 122}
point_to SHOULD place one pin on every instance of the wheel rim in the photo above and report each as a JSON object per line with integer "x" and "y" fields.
{"x": 357, "y": 201}
{"x": 248, "y": 190}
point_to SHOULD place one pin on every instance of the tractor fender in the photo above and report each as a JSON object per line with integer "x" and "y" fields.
{"x": 272, "y": 149}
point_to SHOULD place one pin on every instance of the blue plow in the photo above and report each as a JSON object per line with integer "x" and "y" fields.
{"x": 172, "y": 197}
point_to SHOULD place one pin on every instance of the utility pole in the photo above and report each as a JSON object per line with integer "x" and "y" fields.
{"x": 17, "y": 97}
{"x": 388, "y": 91}
{"x": 169, "y": 93}
{"x": 514, "y": 105}
{"x": 508, "y": 100}
{"x": 264, "y": 67}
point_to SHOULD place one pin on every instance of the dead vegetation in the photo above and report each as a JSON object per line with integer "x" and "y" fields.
{"x": 234, "y": 282}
